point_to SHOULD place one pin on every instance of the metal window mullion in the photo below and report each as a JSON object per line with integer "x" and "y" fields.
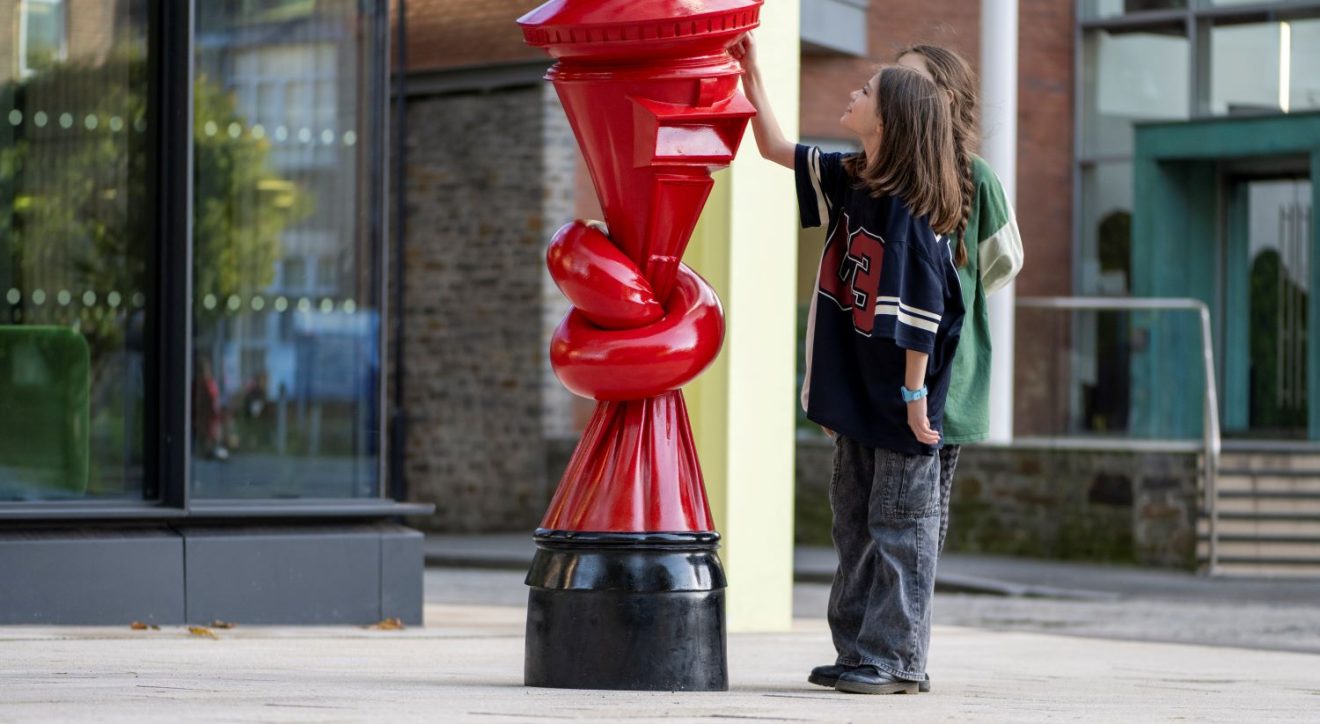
{"x": 378, "y": 220}
{"x": 172, "y": 337}
{"x": 1248, "y": 13}
{"x": 1195, "y": 87}
{"x": 1135, "y": 21}
{"x": 392, "y": 403}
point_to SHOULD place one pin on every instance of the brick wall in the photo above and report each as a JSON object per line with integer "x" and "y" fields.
{"x": 1045, "y": 144}
{"x": 456, "y": 33}
{"x": 481, "y": 184}
{"x": 560, "y": 159}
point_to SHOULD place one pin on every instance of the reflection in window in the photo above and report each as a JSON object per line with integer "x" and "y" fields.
{"x": 41, "y": 35}
{"x": 1129, "y": 77}
{"x": 75, "y": 230}
{"x": 1304, "y": 58}
{"x": 1279, "y": 79}
{"x": 1246, "y": 88}
{"x": 1102, "y": 385}
{"x": 286, "y": 360}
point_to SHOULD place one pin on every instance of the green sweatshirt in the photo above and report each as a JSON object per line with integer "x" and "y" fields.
{"x": 994, "y": 257}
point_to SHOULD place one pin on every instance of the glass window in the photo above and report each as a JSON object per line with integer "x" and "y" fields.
{"x": 1238, "y": 87}
{"x": 1106, "y": 226}
{"x": 1280, "y": 77}
{"x": 1130, "y": 77}
{"x": 286, "y": 364}
{"x": 1099, "y": 394}
{"x": 75, "y": 233}
{"x": 1304, "y": 58}
{"x": 1110, "y": 8}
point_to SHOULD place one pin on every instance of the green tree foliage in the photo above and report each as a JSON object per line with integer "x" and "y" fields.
{"x": 76, "y": 204}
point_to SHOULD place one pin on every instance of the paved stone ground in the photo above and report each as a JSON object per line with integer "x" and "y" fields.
{"x": 1287, "y": 626}
{"x": 465, "y": 666}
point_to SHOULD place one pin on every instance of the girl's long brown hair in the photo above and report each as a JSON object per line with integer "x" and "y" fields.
{"x": 954, "y": 75}
{"x": 917, "y": 159}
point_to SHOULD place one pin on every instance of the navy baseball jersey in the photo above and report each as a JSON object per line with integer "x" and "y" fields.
{"x": 886, "y": 283}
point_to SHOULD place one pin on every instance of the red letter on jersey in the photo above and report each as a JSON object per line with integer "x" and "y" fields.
{"x": 866, "y": 254}
{"x": 850, "y": 273}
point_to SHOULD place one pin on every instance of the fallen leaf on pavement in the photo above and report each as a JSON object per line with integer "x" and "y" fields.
{"x": 389, "y": 624}
{"x": 202, "y": 631}
{"x": 221, "y": 624}
{"x": 139, "y": 626}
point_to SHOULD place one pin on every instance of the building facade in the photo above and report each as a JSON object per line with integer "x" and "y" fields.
{"x": 192, "y": 264}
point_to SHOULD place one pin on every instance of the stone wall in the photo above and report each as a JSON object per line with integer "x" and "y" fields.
{"x": 484, "y": 193}
{"x": 1107, "y": 505}
{"x": 559, "y": 158}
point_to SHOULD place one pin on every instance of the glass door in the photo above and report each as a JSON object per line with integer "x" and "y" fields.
{"x": 1269, "y": 223}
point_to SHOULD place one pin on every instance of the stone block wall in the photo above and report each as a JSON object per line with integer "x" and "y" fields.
{"x": 1114, "y": 506}
{"x": 487, "y": 184}
{"x": 559, "y": 158}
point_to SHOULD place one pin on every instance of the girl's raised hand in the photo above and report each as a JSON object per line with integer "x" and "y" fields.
{"x": 744, "y": 51}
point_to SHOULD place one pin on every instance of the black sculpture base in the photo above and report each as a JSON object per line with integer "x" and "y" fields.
{"x": 635, "y": 611}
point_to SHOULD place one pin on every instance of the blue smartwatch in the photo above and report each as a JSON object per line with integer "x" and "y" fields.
{"x": 912, "y": 395}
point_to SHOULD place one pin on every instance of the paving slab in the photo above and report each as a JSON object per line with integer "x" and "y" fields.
{"x": 465, "y": 665}
{"x": 958, "y": 573}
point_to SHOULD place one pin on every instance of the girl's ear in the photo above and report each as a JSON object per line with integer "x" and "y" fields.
{"x": 948, "y": 93}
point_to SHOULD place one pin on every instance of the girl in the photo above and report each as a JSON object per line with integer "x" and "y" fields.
{"x": 989, "y": 234}
{"x": 883, "y": 328}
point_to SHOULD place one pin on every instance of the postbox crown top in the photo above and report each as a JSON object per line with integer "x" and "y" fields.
{"x": 568, "y": 28}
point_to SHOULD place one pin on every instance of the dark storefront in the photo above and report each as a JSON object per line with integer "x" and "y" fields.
{"x": 192, "y": 314}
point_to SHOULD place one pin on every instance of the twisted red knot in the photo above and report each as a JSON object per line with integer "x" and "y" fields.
{"x": 620, "y": 342}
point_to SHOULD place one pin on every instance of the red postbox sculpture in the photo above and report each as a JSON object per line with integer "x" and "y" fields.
{"x": 627, "y": 591}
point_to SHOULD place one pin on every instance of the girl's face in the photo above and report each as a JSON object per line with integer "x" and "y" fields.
{"x": 863, "y": 114}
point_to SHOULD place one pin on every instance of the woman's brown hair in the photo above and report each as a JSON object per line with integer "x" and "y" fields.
{"x": 916, "y": 159}
{"x": 954, "y": 75}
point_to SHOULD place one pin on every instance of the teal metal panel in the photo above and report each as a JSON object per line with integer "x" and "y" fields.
{"x": 1174, "y": 240}
{"x": 1232, "y": 137}
{"x": 1235, "y": 322}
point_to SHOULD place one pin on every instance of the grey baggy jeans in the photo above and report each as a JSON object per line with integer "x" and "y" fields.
{"x": 886, "y": 530}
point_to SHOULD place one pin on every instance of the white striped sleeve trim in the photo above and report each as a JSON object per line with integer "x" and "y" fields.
{"x": 910, "y": 310}
{"x": 822, "y": 203}
{"x": 893, "y": 310}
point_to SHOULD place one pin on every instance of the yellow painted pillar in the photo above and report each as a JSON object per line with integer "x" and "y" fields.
{"x": 742, "y": 408}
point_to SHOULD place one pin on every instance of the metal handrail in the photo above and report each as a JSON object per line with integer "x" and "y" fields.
{"x": 1211, "y": 442}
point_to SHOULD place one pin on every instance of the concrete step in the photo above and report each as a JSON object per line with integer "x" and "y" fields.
{"x": 1230, "y": 568}
{"x": 1269, "y": 504}
{"x": 1268, "y": 483}
{"x": 1266, "y": 527}
{"x": 1289, "y": 461}
{"x": 1298, "y": 551}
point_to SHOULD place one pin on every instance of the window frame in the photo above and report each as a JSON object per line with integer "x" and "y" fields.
{"x": 168, "y": 324}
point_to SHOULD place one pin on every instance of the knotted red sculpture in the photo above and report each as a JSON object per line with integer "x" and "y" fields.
{"x": 626, "y": 551}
